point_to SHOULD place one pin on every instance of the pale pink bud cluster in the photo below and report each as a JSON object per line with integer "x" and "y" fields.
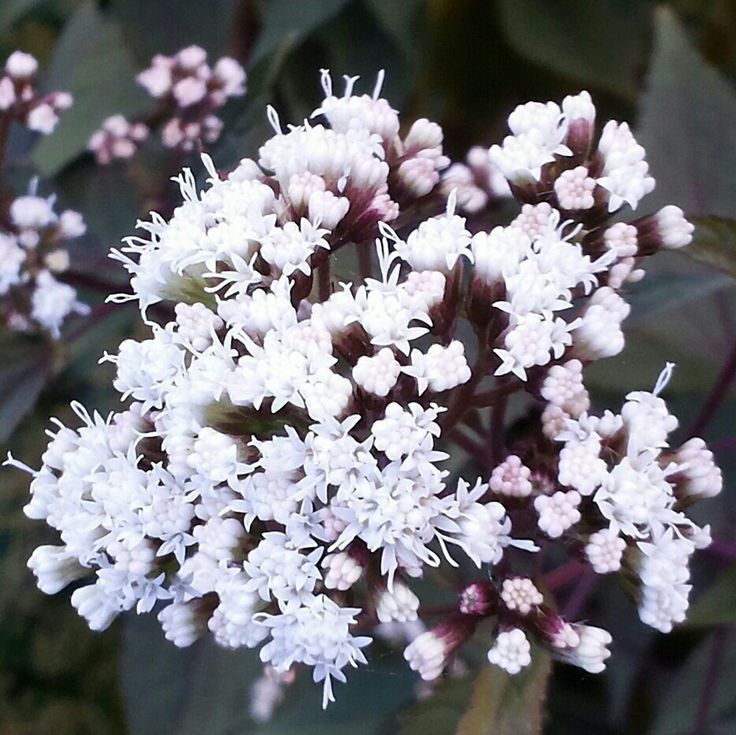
{"x": 191, "y": 91}
{"x": 19, "y": 100}
{"x": 117, "y": 138}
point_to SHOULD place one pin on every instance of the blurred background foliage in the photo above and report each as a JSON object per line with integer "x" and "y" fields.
{"x": 669, "y": 68}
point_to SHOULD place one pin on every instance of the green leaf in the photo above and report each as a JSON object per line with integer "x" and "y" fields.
{"x": 206, "y": 689}
{"x": 686, "y": 124}
{"x": 403, "y": 22}
{"x": 292, "y": 20}
{"x": 600, "y": 43}
{"x": 717, "y": 605}
{"x": 678, "y": 710}
{"x": 714, "y": 243}
{"x": 90, "y": 189}
{"x": 26, "y": 368}
{"x": 508, "y": 705}
{"x": 494, "y": 704}
{"x": 177, "y": 24}
{"x": 365, "y": 53}
{"x": 13, "y": 10}
{"x": 440, "y": 713}
{"x": 99, "y": 72}
{"x": 672, "y": 319}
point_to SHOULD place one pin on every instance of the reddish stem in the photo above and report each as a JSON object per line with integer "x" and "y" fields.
{"x": 365, "y": 260}
{"x": 498, "y": 416}
{"x": 711, "y": 680}
{"x": 716, "y": 395}
{"x": 722, "y": 548}
{"x": 464, "y": 400}
{"x": 435, "y": 610}
{"x": 492, "y": 396}
{"x": 576, "y": 602}
{"x": 723, "y": 445}
{"x": 472, "y": 447}
{"x": 563, "y": 575}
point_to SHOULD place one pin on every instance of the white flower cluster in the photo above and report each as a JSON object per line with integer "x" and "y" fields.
{"x": 284, "y": 448}
{"x": 637, "y": 486}
{"x": 20, "y": 102}
{"x": 552, "y": 144}
{"x": 31, "y": 257}
{"x": 117, "y": 138}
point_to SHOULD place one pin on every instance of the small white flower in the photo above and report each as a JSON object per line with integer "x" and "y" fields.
{"x": 399, "y": 604}
{"x": 574, "y": 189}
{"x": 52, "y": 302}
{"x": 604, "y": 551}
{"x": 511, "y": 651}
{"x": 621, "y": 239}
{"x": 427, "y": 655}
{"x": 318, "y": 635}
{"x": 54, "y": 568}
{"x": 182, "y": 623}
{"x": 673, "y": 229}
{"x": 440, "y": 368}
{"x": 563, "y": 387}
{"x": 377, "y": 374}
{"x": 42, "y": 118}
{"x": 698, "y": 474}
{"x": 557, "y": 512}
{"x": 625, "y": 172}
{"x": 497, "y": 254}
{"x": 520, "y": 594}
{"x": 580, "y": 465}
{"x": 598, "y": 334}
{"x": 402, "y": 433}
{"x": 279, "y": 570}
{"x": 437, "y": 244}
{"x": 591, "y": 650}
{"x": 20, "y": 65}
{"x": 511, "y": 478}
{"x": 341, "y": 571}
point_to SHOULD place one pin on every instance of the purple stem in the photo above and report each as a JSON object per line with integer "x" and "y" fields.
{"x": 722, "y": 548}
{"x": 711, "y": 680}
{"x": 716, "y": 395}
{"x": 498, "y": 416}
{"x": 365, "y": 262}
{"x": 563, "y": 575}
{"x": 576, "y": 602}
{"x": 472, "y": 447}
{"x": 723, "y": 445}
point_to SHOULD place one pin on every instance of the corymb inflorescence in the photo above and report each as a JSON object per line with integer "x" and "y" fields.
{"x": 280, "y": 475}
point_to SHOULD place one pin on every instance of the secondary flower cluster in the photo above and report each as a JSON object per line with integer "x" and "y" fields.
{"x": 117, "y": 138}
{"x": 280, "y": 477}
{"x": 189, "y": 91}
{"x": 31, "y": 257}
{"x": 20, "y": 102}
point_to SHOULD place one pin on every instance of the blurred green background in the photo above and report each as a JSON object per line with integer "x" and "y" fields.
{"x": 668, "y": 68}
